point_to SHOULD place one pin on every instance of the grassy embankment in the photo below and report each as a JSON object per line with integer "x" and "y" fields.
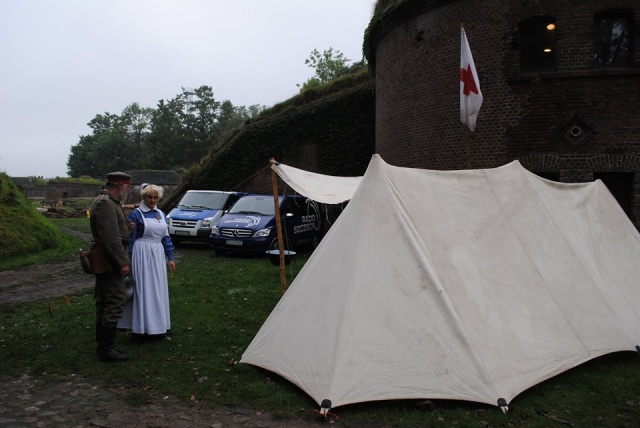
{"x": 27, "y": 236}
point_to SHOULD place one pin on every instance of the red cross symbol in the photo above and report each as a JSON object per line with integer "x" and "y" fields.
{"x": 466, "y": 77}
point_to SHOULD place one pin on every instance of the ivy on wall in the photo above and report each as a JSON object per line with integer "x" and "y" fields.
{"x": 340, "y": 127}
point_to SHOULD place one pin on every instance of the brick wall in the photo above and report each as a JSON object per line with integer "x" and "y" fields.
{"x": 529, "y": 117}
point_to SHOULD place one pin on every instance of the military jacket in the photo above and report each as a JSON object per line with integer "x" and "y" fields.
{"x": 109, "y": 227}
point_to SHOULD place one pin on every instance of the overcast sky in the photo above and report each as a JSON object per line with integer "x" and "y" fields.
{"x": 65, "y": 61}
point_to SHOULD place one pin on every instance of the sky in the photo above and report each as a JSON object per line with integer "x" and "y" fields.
{"x": 66, "y": 61}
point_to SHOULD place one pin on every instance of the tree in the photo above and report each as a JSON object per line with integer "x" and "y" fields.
{"x": 200, "y": 123}
{"x": 176, "y": 134}
{"x": 116, "y": 143}
{"x": 167, "y": 137}
{"x": 102, "y": 123}
{"x": 112, "y": 151}
{"x": 110, "y": 147}
{"x": 80, "y": 161}
{"x": 231, "y": 117}
{"x": 327, "y": 65}
{"x": 135, "y": 121}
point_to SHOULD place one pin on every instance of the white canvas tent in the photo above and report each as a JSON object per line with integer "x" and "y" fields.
{"x": 467, "y": 285}
{"x": 326, "y": 189}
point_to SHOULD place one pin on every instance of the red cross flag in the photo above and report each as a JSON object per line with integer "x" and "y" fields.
{"x": 470, "y": 94}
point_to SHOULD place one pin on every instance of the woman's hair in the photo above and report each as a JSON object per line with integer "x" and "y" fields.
{"x": 149, "y": 188}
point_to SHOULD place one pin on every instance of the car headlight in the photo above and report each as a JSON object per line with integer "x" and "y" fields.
{"x": 206, "y": 223}
{"x": 215, "y": 230}
{"x": 262, "y": 233}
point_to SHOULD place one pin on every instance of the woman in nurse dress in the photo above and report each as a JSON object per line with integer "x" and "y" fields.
{"x": 150, "y": 250}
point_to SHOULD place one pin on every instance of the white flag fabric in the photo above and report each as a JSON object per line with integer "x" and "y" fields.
{"x": 470, "y": 94}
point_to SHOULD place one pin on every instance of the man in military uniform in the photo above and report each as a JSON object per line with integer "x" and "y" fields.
{"x": 109, "y": 229}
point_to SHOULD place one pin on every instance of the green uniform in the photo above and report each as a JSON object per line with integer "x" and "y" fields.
{"x": 109, "y": 227}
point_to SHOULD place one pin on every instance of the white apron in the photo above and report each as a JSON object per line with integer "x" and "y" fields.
{"x": 148, "y": 311}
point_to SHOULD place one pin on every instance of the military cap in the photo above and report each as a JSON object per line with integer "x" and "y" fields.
{"x": 118, "y": 177}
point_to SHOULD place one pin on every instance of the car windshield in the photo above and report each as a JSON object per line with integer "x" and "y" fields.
{"x": 205, "y": 200}
{"x": 262, "y": 205}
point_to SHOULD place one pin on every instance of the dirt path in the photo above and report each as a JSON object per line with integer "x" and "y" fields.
{"x": 30, "y": 401}
{"x": 43, "y": 282}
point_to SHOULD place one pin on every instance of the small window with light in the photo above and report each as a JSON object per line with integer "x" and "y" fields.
{"x": 613, "y": 39}
{"x": 538, "y": 44}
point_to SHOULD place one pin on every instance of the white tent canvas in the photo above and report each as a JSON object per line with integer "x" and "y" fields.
{"x": 467, "y": 285}
{"x": 327, "y": 189}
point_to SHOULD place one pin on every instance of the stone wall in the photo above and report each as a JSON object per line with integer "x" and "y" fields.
{"x": 577, "y": 123}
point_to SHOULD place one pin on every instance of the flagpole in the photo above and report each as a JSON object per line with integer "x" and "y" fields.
{"x": 467, "y": 133}
{"x": 469, "y": 85}
{"x": 467, "y": 143}
{"x": 467, "y": 139}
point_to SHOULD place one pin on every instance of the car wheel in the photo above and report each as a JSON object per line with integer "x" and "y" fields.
{"x": 286, "y": 242}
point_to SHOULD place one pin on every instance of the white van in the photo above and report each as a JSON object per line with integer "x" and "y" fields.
{"x": 197, "y": 211}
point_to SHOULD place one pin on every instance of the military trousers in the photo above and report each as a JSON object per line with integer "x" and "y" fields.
{"x": 110, "y": 295}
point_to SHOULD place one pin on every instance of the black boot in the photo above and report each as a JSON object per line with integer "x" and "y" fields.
{"x": 98, "y": 335}
{"x": 107, "y": 345}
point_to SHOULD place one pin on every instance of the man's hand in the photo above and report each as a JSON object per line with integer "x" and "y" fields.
{"x": 172, "y": 266}
{"x": 124, "y": 270}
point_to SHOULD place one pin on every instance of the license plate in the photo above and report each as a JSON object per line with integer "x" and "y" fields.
{"x": 233, "y": 242}
{"x": 182, "y": 232}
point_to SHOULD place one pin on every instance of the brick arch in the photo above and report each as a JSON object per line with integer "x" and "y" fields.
{"x": 540, "y": 162}
{"x": 615, "y": 163}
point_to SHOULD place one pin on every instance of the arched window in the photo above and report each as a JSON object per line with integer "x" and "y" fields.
{"x": 538, "y": 44}
{"x": 614, "y": 38}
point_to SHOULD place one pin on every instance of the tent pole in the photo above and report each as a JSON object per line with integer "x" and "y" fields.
{"x": 274, "y": 184}
{"x": 467, "y": 139}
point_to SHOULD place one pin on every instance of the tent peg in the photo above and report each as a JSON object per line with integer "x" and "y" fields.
{"x": 325, "y": 406}
{"x": 502, "y": 403}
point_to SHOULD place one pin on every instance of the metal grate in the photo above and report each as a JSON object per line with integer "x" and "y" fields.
{"x": 189, "y": 224}
{"x": 236, "y": 233}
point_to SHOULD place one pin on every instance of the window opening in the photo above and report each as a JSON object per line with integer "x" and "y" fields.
{"x": 614, "y": 44}
{"x": 538, "y": 44}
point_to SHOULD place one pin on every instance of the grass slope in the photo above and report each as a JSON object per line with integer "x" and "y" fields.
{"x": 27, "y": 236}
{"x": 23, "y": 229}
